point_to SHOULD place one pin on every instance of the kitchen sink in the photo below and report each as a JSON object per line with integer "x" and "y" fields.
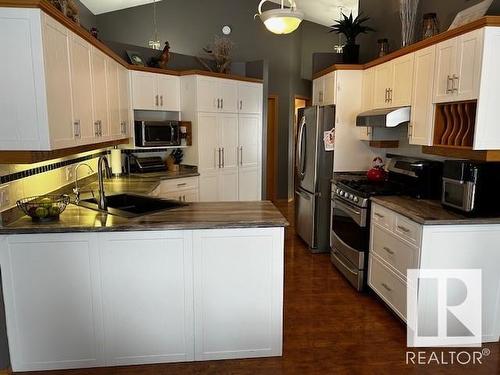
{"x": 131, "y": 205}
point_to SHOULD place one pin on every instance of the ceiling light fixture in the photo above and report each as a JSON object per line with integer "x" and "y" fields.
{"x": 282, "y": 20}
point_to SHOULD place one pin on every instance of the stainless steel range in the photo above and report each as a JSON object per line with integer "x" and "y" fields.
{"x": 350, "y": 211}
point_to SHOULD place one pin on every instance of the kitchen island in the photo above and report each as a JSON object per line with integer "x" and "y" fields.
{"x": 199, "y": 282}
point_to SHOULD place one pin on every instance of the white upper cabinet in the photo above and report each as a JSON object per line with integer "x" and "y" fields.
{"x": 115, "y": 127}
{"x": 393, "y": 82}
{"x": 155, "y": 92}
{"x": 324, "y": 89}
{"x": 249, "y": 97}
{"x": 420, "y": 129}
{"x": 81, "y": 77}
{"x": 100, "y": 95}
{"x": 228, "y": 92}
{"x": 58, "y": 83}
{"x": 222, "y": 95}
{"x": 124, "y": 93}
{"x": 367, "y": 96}
{"x": 458, "y": 67}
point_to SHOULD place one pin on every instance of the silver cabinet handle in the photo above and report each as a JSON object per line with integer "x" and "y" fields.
{"x": 96, "y": 130}
{"x": 378, "y": 215}
{"x": 241, "y": 155}
{"x": 218, "y": 103}
{"x": 386, "y": 95}
{"x": 161, "y": 100}
{"x": 180, "y": 185}
{"x": 223, "y": 158}
{"x": 390, "y": 95}
{"x": 410, "y": 131}
{"x": 220, "y": 159}
{"x": 241, "y": 105}
{"x": 404, "y": 229}
{"x": 448, "y": 81}
{"x": 222, "y": 103}
{"x": 76, "y": 130}
{"x": 453, "y": 79}
{"x": 388, "y": 250}
{"x": 386, "y": 287}
{"x": 157, "y": 100}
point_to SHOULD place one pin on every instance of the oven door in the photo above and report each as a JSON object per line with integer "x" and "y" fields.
{"x": 459, "y": 194}
{"x": 349, "y": 232}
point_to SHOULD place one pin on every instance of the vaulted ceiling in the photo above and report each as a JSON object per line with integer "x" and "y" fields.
{"x": 323, "y": 12}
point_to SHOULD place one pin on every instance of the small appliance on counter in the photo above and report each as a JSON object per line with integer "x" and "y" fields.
{"x": 157, "y": 133}
{"x": 350, "y": 212}
{"x": 147, "y": 164}
{"x": 471, "y": 187}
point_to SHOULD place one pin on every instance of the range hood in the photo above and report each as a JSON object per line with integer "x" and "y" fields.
{"x": 384, "y": 118}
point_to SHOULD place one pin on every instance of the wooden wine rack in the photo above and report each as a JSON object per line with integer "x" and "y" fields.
{"x": 455, "y": 124}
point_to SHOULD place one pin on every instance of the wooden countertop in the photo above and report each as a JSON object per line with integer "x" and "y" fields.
{"x": 429, "y": 212}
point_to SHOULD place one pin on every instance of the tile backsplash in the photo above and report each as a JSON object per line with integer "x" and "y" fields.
{"x": 26, "y": 180}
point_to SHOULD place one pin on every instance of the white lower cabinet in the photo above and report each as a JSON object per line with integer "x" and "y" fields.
{"x": 147, "y": 295}
{"x": 82, "y": 300}
{"x": 183, "y": 189}
{"x": 238, "y": 276}
{"x": 52, "y": 301}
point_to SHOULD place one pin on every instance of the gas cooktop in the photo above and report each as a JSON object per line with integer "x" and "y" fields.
{"x": 367, "y": 188}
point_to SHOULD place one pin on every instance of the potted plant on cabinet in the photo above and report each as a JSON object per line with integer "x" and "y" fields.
{"x": 351, "y": 27}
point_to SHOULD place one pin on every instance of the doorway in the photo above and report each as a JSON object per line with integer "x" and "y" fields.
{"x": 272, "y": 148}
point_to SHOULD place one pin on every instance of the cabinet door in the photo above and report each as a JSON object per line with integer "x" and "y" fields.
{"x": 209, "y": 187}
{"x": 249, "y": 134}
{"x": 228, "y": 93}
{"x": 124, "y": 94}
{"x": 402, "y": 85}
{"x": 145, "y": 91}
{"x": 208, "y": 99}
{"x": 228, "y": 140}
{"x": 169, "y": 93}
{"x": 81, "y": 81}
{"x": 52, "y": 301}
{"x": 249, "y": 97}
{"x": 469, "y": 58}
{"x": 249, "y": 184}
{"x": 147, "y": 297}
{"x": 367, "y": 96}
{"x": 208, "y": 142}
{"x": 100, "y": 101}
{"x": 383, "y": 81}
{"x": 227, "y": 182}
{"x": 58, "y": 83}
{"x": 115, "y": 128}
{"x": 318, "y": 91}
{"x": 238, "y": 280}
{"x": 446, "y": 55}
{"x": 22, "y": 96}
{"x": 422, "y": 110}
{"x": 329, "y": 89}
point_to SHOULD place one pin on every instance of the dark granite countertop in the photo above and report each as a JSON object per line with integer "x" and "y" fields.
{"x": 209, "y": 215}
{"x": 429, "y": 212}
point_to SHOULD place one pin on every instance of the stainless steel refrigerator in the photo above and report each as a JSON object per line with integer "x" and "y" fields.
{"x": 314, "y": 171}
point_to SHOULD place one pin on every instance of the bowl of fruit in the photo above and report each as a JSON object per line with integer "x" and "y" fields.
{"x": 45, "y": 207}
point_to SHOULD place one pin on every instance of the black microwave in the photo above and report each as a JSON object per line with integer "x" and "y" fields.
{"x": 157, "y": 133}
{"x": 471, "y": 187}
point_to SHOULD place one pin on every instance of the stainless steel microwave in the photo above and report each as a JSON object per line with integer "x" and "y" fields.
{"x": 157, "y": 133}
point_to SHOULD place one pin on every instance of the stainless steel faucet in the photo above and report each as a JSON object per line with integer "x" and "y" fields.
{"x": 102, "y": 165}
{"x": 76, "y": 189}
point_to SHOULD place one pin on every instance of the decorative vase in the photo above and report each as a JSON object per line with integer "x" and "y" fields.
{"x": 350, "y": 54}
{"x": 430, "y": 25}
{"x": 408, "y": 12}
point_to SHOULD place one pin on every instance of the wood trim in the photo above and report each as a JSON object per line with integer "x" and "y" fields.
{"x": 30, "y": 157}
{"x": 53, "y": 12}
{"x": 478, "y": 24}
{"x": 336, "y": 67}
{"x": 462, "y": 153}
{"x": 384, "y": 144}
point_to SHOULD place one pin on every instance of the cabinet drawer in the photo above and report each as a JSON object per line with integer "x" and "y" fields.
{"x": 408, "y": 230}
{"x": 390, "y": 287}
{"x": 383, "y": 217}
{"x": 394, "y": 251}
{"x": 190, "y": 195}
{"x": 174, "y": 185}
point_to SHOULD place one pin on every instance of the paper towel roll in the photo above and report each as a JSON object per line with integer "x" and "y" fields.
{"x": 116, "y": 161}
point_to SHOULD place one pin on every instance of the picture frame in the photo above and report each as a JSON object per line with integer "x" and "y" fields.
{"x": 135, "y": 58}
{"x": 470, "y": 14}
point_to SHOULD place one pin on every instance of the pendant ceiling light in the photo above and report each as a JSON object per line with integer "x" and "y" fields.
{"x": 282, "y": 20}
{"x": 155, "y": 42}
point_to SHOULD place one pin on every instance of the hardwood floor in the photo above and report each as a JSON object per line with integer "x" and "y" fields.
{"x": 329, "y": 329}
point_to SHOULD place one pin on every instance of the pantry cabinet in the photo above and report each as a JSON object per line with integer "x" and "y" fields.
{"x": 155, "y": 92}
{"x": 458, "y": 67}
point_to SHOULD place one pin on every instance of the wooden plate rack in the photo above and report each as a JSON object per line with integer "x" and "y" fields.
{"x": 455, "y": 124}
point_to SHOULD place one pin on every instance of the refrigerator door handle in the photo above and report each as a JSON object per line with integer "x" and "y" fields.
{"x": 300, "y": 159}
